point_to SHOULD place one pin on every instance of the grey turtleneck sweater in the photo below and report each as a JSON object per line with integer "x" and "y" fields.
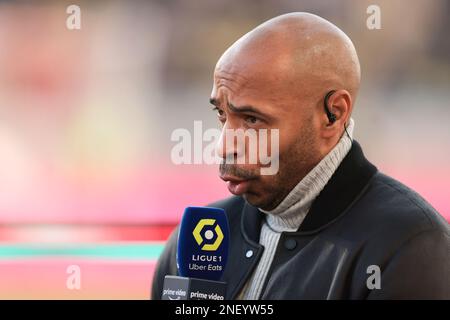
{"x": 290, "y": 213}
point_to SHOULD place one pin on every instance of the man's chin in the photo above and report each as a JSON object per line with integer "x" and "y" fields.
{"x": 260, "y": 202}
{"x": 246, "y": 190}
{"x": 255, "y": 200}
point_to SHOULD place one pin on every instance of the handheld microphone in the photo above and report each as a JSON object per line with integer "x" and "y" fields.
{"x": 202, "y": 253}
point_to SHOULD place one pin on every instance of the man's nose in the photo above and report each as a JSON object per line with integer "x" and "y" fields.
{"x": 229, "y": 147}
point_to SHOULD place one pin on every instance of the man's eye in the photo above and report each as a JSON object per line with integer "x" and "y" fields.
{"x": 220, "y": 112}
{"x": 252, "y": 119}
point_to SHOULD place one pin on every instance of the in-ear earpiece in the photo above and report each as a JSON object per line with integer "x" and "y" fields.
{"x": 331, "y": 116}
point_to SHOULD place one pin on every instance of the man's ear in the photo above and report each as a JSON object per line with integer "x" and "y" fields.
{"x": 340, "y": 105}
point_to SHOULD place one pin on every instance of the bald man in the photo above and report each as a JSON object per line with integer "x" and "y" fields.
{"x": 327, "y": 224}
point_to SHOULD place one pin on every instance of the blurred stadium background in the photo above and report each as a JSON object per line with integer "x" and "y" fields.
{"x": 86, "y": 117}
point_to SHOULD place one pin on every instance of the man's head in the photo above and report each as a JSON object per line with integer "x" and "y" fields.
{"x": 276, "y": 77}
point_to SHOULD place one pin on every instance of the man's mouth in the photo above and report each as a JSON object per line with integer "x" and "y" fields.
{"x": 236, "y": 185}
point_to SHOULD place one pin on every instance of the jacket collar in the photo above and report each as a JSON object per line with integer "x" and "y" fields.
{"x": 347, "y": 182}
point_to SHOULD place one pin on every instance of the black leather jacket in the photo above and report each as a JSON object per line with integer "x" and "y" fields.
{"x": 360, "y": 219}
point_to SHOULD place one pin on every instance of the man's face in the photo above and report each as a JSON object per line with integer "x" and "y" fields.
{"x": 253, "y": 97}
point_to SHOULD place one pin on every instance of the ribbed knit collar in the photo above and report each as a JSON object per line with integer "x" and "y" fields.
{"x": 289, "y": 214}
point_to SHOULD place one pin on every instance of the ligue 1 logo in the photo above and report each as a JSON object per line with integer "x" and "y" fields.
{"x": 208, "y": 235}
{"x": 203, "y": 241}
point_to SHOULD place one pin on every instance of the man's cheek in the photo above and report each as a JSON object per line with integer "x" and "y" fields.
{"x": 269, "y": 152}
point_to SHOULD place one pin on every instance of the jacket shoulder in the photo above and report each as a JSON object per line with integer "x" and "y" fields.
{"x": 396, "y": 229}
{"x": 388, "y": 214}
{"x": 404, "y": 205}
